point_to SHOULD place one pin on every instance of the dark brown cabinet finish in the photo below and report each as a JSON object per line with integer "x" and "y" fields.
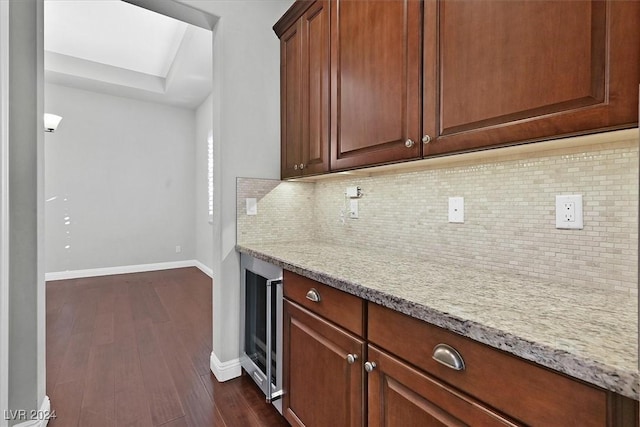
{"x": 339, "y": 307}
{"x": 513, "y": 71}
{"x": 525, "y": 391}
{"x": 304, "y": 86}
{"x": 365, "y": 82}
{"x": 401, "y": 396}
{"x": 375, "y": 91}
{"x": 327, "y": 349}
{"x": 321, "y": 387}
{"x": 291, "y": 101}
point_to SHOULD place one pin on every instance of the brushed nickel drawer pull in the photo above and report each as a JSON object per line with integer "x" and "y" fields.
{"x": 448, "y": 356}
{"x": 313, "y": 295}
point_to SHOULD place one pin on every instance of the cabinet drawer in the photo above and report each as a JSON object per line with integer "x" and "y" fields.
{"x": 400, "y": 395}
{"x": 521, "y": 389}
{"x": 340, "y": 307}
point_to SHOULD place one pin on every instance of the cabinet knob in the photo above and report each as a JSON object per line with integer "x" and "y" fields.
{"x": 426, "y": 139}
{"x": 409, "y": 143}
{"x": 301, "y": 166}
{"x": 313, "y": 295}
{"x": 351, "y": 358}
{"x": 448, "y": 356}
{"x": 369, "y": 366}
{"x": 295, "y": 167}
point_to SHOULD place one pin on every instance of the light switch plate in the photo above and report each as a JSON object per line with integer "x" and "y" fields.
{"x": 252, "y": 206}
{"x": 456, "y": 209}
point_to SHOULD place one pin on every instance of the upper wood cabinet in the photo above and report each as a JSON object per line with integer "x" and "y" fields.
{"x": 304, "y": 91}
{"x": 375, "y": 76}
{"x": 501, "y": 72}
{"x": 371, "y": 81}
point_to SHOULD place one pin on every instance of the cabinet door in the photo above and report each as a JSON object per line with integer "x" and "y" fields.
{"x": 315, "y": 89}
{"x": 511, "y": 71}
{"x": 375, "y": 88}
{"x": 402, "y": 396}
{"x": 291, "y": 101}
{"x": 321, "y": 387}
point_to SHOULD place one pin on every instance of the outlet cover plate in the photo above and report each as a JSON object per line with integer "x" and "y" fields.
{"x": 353, "y": 209}
{"x": 569, "y": 212}
{"x": 456, "y": 209}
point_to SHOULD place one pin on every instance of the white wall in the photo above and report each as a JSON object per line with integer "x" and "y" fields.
{"x": 23, "y": 314}
{"x": 246, "y": 112}
{"x": 203, "y": 228}
{"x": 120, "y": 172}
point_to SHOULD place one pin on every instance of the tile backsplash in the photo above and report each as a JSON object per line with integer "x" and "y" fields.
{"x": 285, "y": 211}
{"x": 509, "y": 214}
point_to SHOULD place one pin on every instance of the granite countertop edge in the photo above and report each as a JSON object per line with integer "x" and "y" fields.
{"x": 611, "y": 378}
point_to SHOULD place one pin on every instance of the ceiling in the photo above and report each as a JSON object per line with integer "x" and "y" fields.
{"x": 114, "y": 47}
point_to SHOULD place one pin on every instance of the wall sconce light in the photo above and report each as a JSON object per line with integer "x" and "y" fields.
{"x": 51, "y": 122}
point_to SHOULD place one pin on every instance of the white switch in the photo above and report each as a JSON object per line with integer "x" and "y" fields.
{"x": 252, "y": 206}
{"x": 569, "y": 212}
{"x": 456, "y": 209}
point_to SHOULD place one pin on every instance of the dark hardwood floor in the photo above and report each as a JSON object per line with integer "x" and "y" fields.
{"x": 133, "y": 350}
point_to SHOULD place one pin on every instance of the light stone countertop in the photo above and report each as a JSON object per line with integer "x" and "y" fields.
{"x": 587, "y": 334}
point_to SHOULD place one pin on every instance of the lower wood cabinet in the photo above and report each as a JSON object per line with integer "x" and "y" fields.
{"x": 323, "y": 376}
{"x": 402, "y": 396}
{"x": 347, "y": 363}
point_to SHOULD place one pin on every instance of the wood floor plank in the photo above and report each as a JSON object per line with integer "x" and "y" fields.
{"x": 75, "y": 359}
{"x": 131, "y": 400}
{"x": 123, "y": 328}
{"x": 138, "y": 303}
{"x": 132, "y": 408}
{"x": 103, "y": 328}
{"x": 179, "y": 422}
{"x": 164, "y": 402}
{"x": 58, "y": 336}
{"x": 66, "y": 400}
{"x": 99, "y": 387}
{"x": 133, "y": 350}
{"x": 95, "y": 419}
{"x": 256, "y": 402}
{"x": 155, "y": 308}
{"x": 85, "y": 315}
{"x": 198, "y": 405}
{"x": 197, "y": 348}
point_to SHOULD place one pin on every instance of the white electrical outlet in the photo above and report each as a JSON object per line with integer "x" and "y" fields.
{"x": 569, "y": 212}
{"x": 456, "y": 209}
{"x": 353, "y": 208}
{"x": 178, "y": 249}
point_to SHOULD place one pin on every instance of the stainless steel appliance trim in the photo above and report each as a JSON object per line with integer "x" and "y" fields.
{"x": 273, "y": 394}
{"x": 268, "y": 271}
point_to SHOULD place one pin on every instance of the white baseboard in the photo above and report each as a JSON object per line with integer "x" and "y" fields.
{"x": 225, "y": 371}
{"x": 44, "y": 412}
{"x": 125, "y": 269}
{"x": 206, "y": 270}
